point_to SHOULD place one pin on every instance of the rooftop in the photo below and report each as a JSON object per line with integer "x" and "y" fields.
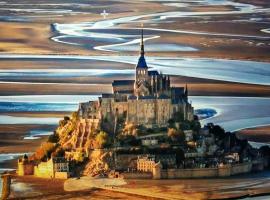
{"x": 142, "y": 62}
{"x": 122, "y": 82}
{"x": 153, "y": 73}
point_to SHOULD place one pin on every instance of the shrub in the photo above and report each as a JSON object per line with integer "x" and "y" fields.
{"x": 101, "y": 139}
{"x": 54, "y": 138}
{"x": 44, "y": 151}
{"x": 130, "y": 129}
{"x": 176, "y": 135}
{"x": 128, "y": 140}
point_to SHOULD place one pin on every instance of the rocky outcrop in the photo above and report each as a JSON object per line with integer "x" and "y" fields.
{"x": 100, "y": 162}
{"x": 82, "y": 139}
{"x": 77, "y": 134}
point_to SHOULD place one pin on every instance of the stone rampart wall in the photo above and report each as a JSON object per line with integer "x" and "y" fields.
{"x": 137, "y": 175}
{"x": 226, "y": 170}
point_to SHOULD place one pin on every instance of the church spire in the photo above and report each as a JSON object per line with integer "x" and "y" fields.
{"x": 142, "y": 43}
{"x": 186, "y": 91}
{"x": 142, "y": 62}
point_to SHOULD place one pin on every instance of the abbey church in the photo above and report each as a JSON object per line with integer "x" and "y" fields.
{"x": 149, "y": 100}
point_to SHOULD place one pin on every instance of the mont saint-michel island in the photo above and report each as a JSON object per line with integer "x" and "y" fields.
{"x": 145, "y": 129}
{"x": 93, "y": 105}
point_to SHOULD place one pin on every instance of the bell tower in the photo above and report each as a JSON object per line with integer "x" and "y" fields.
{"x": 142, "y": 82}
{"x": 141, "y": 67}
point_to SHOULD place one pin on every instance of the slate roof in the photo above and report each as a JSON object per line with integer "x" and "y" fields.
{"x": 177, "y": 101}
{"x": 142, "y": 63}
{"x": 178, "y": 91}
{"x": 107, "y": 95}
{"x": 153, "y": 73}
{"x": 163, "y": 96}
{"x": 122, "y": 82}
{"x": 146, "y": 97}
{"x": 132, "y": 97}
{"x": 59, "y": 160}
{"x": 125, "y": 91}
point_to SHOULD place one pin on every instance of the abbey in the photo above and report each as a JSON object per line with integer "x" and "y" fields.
{"x": 149, "y": 100}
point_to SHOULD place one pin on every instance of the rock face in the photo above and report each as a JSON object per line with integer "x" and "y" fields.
{"x": 100, "y": 162}
{"x": 81, "y": 138}
{"x": 78, "y": 134}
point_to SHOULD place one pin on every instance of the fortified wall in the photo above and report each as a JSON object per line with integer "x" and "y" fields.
{"x": 222, "y": 171}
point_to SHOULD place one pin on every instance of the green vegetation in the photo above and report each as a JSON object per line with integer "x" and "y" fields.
{"x": 44, "y": 151}
{"x": 218, "y": 131}
{"x": 178, "y": 116}
{"x": 102, "y": 140}
{"x": 176, "y": 136}
{"x": 130, "y": 129}
{"x": 54, "y": 138}
{"x": 128, "y": 140}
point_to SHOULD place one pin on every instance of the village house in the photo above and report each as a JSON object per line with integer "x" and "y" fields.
{"x": 55, "y": 167}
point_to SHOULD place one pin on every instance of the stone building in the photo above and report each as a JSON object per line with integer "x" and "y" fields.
{"x": 25, "y": 167}
{"x": 146, "y": 163}
{"x": 56, "y": 167}
{"x": 149, "y": 100}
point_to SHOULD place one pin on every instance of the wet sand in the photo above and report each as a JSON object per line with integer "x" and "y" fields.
{"x": 12, "y": 135}
{"x": 11, "y": 138}
{"x": 51, "y": 189}
{"x": 29, "y": 187}
{"x": 217, "y": 188}
{"x": 209, "y": 46}
{"x": 184, "y": 189}
{"x": 196, "y": 86}
{"x": 258, "y": 134}
{"x": 206, "y": 87}
{"x": 35, "y": 38}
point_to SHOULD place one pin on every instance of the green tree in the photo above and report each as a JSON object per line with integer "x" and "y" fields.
{"x": 101, "y": 139}
{"x": 176, "y": 135}
{"x": 54, "y": 138}
{"x": 171, "y": 123}
{"x": 74, "y": 116}
{"x": 44, "y": 151}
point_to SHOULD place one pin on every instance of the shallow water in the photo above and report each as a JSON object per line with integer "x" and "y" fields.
{"x": 36, "y": 107}
{"x": 9, "y": 156}
{"x": 47, "y": 99}
{"x": 6, "y": 119}
{"x": 35, "y": 134}
{"x": 70, "y": 33}
{"x": 233, "y": 113}
{"x": 217, "y": 69}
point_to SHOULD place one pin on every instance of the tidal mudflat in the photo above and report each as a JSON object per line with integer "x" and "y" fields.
{"x": 54, "y": 55}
